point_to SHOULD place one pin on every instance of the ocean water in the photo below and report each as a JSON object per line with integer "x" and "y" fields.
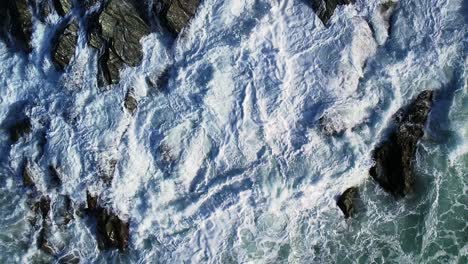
{"x": 228, "y": 163}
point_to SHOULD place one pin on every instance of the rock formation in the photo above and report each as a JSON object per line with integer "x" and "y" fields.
{"x": 16, "y": 24}
{"x": 324, "y": 8}
{"x": 131, "y": 104}
{"x": 112, "y": 232}
{"x": 347, "y": 201}
{"x": 65, "y": 44}
{"x": 393, "y": 169}
{"x": 63, "y": 7}
{"x": 116, "y": 33}
{"x": 174, "y": 14}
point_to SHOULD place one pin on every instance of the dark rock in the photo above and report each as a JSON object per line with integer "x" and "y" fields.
{"x": 16, "y": 24}
{"x": 175, "y": 14}
{"x": 116, "y": 32}
{"x": 64, "y": 213}
{"x": 324, "y": 8}
{"x": 393, "y": 168}
{"x": 131, "y": 104}
{"x": 91, "y": 202}
{"x": 19, "y": 129}
{"x": 55, "y": 179}
{"x": 347, "y": 201}
{"x": 44, "y": 9}
{"x": 42, "y": 207}
{"x": 65, "y": 44}
{"x": 63, "y": 7}
{"x": 112, "y": 232}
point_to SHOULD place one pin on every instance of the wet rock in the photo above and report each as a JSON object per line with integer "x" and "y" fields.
{"x": 44, "y": 9}
{"x": 42, "y": 207}
{"x": 16, "y": 24}
{"x": 55, "y": 179}
{"x": 116, "y": 33}
{"x": 19, "y": 129}
{"x": 347, "y": 201}
{"x": 70, "y": 258}
{"x": 91, "y": 202}
{"x": 175, "y": 14}
{"x": 64, "y": 45}
{"x": 112, "y": 232}
{"x": 393, "y": 169}
{"x": 64, "y": 213}
{"x": 131, "y": 104}
{"x": 324, "y": 8}
{"x": 63, "y": 7}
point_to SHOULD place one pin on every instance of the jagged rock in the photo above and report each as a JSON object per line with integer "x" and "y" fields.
{"x": 393, "y": 169}
{"x": 44, "y": 9}
{"x": 16, "y": 24}
{"x": 175, "y": 14}
{"x": 65, "y": 44}
{"x": 63, "y": 7}
{"x": 131, "y": 104}
{"x": 347, "y": 201}
{"x": 116, "y": 32}
{"x": 112, "y": 232}
{"x": 19, "y": 129}
{"x": 324, "y": 8}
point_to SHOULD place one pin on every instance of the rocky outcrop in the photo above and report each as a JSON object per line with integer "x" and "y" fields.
{"x": 63, "y": 7}
{"x": 116, "y": 33}
{"x": 324, "y": 8}
{"x": 347, "y": 201}
{"x": 175, "y": 14}
{"x": 393, "y": 169}
{"x": 131, "y": 104}
{"x": 112, "y": 232}
{"x": 16, "y": 24}
{"x": 64, "y": 45}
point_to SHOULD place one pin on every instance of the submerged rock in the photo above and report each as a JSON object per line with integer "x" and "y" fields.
{"x": 347, "y": 201}
{"x": 393, "y": 169}
{"x": 175, "y": 14}
{"x": 324, "y": 8}
{"x": 20, "y": 128}
{"x": 65, "y": 44}
{"x": 16, "y": 24}
{"x": 116, "y": 32}
{"x": 28, "y": 178}
{"x": 112, "y": 232}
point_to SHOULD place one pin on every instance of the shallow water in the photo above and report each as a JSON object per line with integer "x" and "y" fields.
{"x": 228, "y": 163}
